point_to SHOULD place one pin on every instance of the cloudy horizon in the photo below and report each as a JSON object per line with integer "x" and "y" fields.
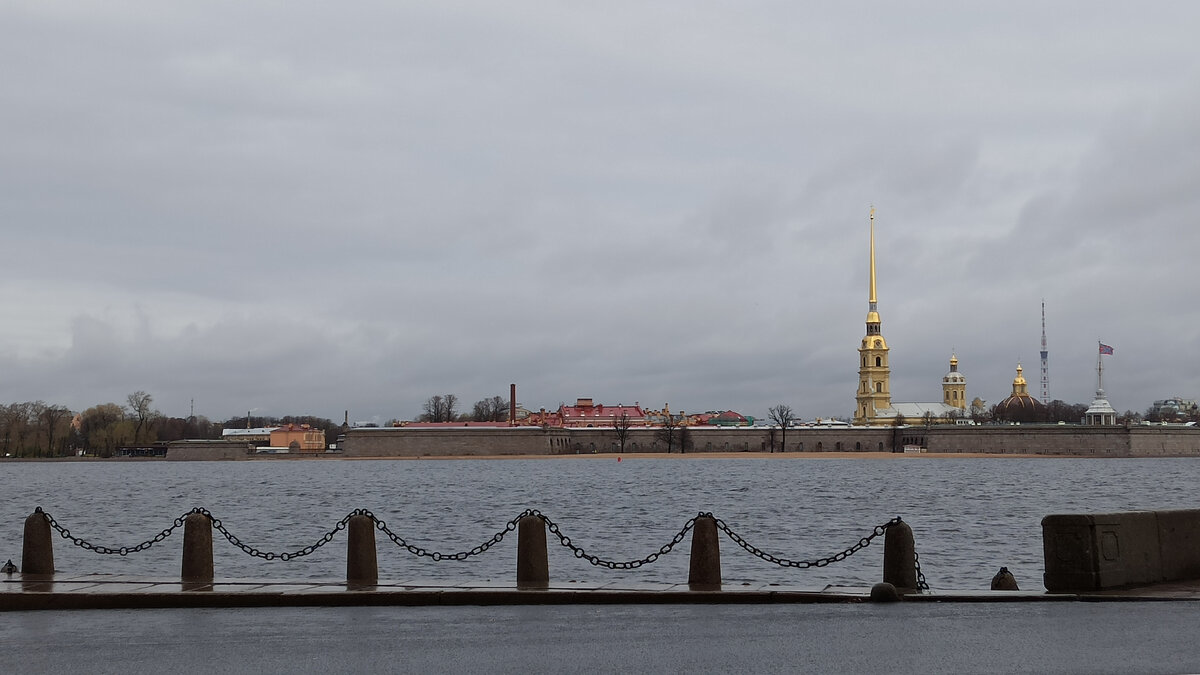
{"x": 354, "y": 208}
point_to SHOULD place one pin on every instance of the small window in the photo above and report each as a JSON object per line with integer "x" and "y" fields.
{"x": 878, "y": 362}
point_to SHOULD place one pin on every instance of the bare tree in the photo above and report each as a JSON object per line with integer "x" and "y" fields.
{"x": 669, "y": 432}
{"x": 481, "y": 411}
{"x": 494, "y": 409}
{"x": 52, "y": 419}
{"x": 621, "y": 426}
{"x": 16, "y": 422}
{"x": 431, "y": 409}
{"x": 439, "y": 409}
{"x": 143, "y": 415}
{"x": 783, "y": 416}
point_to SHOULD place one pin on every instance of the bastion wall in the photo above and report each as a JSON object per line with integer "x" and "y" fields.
{"x": 1032, "y": 440}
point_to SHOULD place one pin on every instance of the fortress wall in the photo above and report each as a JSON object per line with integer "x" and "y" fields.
{"x": 1164, "y": 441}
{"x": 405, "y": 442}
{"x": 207, "y": 450}
{"x": 1026, "y": 439}
{"x": 1032, "y": 440}
{"x": 402, "y": 442}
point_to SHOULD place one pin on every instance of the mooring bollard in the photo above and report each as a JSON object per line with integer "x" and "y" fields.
{"x": 1004, "y": 581}
{"x": 37, "y": 552}
{"x": 362, "y": 565}
{"x": 533, "y": 567}
{"x": 884, "y": 592}
{"x": 900, "y": 558}
{"x": 197, "y": 564}
{"x": 704, "y": 568}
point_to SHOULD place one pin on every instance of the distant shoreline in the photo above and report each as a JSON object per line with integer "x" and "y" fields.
{"x": 633, "y": 456}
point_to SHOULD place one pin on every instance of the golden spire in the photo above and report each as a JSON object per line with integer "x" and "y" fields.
{"x": 872, "y": 298}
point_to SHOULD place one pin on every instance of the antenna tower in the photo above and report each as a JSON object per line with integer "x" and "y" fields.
{"x": 1045, "y": 359}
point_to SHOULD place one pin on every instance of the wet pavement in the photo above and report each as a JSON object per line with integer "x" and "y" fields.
{"x": 103, "y": 591}
{"x": 942, "y": 637}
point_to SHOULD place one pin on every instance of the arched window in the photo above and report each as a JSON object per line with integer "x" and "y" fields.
{"x": 879, "y": 387}
{"x": 819, "y": 444}
{"x": 857, "y": 446}
{"x": 878, "y": 361}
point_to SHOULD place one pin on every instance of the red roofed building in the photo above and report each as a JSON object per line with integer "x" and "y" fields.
{"x": 585, "y": 413}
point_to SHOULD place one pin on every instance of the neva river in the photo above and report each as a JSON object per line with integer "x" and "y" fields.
{"x": 970, "y": 516}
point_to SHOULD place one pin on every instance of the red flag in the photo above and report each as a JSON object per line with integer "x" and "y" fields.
{"x": 1105, "y": 349}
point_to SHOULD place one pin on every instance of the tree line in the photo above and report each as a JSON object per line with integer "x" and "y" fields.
{"x": 444, "y": 408}
{"x": 39, "y": 429}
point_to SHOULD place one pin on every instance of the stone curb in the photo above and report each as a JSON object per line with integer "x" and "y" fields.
{"x": 151, "y": 599}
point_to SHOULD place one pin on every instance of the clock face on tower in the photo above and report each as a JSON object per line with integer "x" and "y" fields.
{"x": 878, "y": 344}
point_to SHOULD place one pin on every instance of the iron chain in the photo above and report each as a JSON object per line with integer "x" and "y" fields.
{"x": 105, "y": 550}
{"x": 286, "y": 555}
{"x": 614, "y": 564}
{"x": 510, "y": 526}
{"x": 921, "y": 584}
{"x": 804, "y": 564}
{"x": 437, "y": 555}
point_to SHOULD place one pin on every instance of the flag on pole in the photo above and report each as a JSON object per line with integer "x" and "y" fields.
{"x": 1105, "y": 350}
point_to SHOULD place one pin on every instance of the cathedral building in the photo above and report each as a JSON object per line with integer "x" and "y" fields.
{"x": 873, "y": 402}
{"x": 1020, "y": 406}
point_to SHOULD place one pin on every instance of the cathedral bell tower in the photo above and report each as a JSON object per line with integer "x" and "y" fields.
{"x": 954, "y": 386}
{"x": 874, "y": 388}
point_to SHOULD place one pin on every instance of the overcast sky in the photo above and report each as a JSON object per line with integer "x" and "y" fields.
{"x": 312, "y": 207}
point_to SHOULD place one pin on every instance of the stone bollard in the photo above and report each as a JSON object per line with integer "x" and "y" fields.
{"x": 533, "y": 567}
{"x": 197, "y": 565}
{"x": 1004, "y": 581}
{"x": 37, "y": 553}
{"x": 362, "y": 565}
{"x": 704, "y": 569}
{"x": 900, "y": 558}
{"x": 884, "y": 592}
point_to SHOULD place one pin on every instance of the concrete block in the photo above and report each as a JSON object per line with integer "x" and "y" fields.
{"x": 1179, "y": 544}
{"x": 1085, "y": 552}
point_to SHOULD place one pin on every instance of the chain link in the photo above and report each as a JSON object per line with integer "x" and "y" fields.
{"x": 437, "y": 555}
{"x": 921, "y": 584}
{"x": 511, "y": 525}
{"x": 615, "y": 564}
{"x": 286, "y": 555}
{"x": 105, "y": 550}
{"x": 804, "y": 564}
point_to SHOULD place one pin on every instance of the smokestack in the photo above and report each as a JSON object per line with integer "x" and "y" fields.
{"x": 512, "y": 405}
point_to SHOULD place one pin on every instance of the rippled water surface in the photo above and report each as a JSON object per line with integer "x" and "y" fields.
{"x": 969, "y": 516}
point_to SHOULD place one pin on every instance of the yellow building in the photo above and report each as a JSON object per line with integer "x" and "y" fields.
{"x": 954, "y": 386}
{"x": 874, "y": 374}
{"x": 873, "y": 401}
{"x": 298, "y": 438}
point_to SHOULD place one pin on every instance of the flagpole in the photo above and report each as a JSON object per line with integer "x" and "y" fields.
{"x": 1099, "y": 366}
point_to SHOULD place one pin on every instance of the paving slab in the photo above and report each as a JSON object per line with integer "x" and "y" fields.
{"x": 125, "y": 591}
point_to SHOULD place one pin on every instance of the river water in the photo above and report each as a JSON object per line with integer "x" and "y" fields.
{"x": 970, "y": 515}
